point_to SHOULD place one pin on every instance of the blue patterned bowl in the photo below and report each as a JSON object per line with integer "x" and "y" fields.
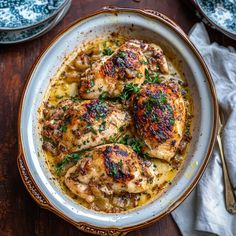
{"x": 24, "y": 14}
{"x": 11, "y": 37}
{"x": 220, "y": 14}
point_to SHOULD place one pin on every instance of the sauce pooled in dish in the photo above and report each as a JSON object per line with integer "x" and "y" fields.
{"x": 115, "y": 123}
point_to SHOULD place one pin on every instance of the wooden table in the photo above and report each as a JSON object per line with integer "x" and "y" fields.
{"x": 19, "y": 214}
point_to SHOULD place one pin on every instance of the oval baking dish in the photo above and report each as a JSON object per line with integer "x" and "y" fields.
{"x": 133, "y": 23}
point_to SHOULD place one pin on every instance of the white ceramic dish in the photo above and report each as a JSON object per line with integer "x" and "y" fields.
{"x": 150, "y": 26}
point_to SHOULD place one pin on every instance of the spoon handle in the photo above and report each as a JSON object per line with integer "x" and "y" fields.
{"x": 229, "y": 193}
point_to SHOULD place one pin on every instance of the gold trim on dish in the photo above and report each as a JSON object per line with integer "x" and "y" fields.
{"x": 28, "y": 180}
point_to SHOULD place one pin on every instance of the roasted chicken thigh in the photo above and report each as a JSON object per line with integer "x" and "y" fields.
{"x": 126, "y": 65}
{"x": 74, "y": 126}
{"x": 112, "y": 169}
{"x": 159, "y": 118}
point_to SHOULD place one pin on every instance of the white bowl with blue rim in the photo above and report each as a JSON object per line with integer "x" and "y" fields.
{"x": 17, "y": 19}
{"x": 22, "y": 35}
{"x": 24, "y": 14}
{"x": 219, "y": 14}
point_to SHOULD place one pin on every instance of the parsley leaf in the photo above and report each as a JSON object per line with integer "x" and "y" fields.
{"x": 63, "y": 128}
{"x": 59, "y": 96}
{"x": 91, "y": 128}
{"x": 147, "y": 75}
{"x": 156, "y": 78}
{"x": 143, "y": 62}
{"x": 74, "y": 99}
{"x": 68, "y": 158}
{"x": 128, "y": 90}
{"x": 151, "y": 78}
{"x": 121, "y": 54}
{"x": 134, "y": 143}
{"x": 102, "y": 126}
{"x": 120, "y": 163}
{"x": 172, "y": 121}
{"x": 103, "y": 96}
{"x": 107, "y": 52}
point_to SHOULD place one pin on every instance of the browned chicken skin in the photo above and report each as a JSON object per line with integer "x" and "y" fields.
{"x": 107, "y": 170}
{"x": 74, "y": 126}
{"x": 159, "y": 118}
{"x": 124, "y": 66}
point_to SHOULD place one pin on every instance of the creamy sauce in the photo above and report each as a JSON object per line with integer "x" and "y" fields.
{"x": 65, "y": 85}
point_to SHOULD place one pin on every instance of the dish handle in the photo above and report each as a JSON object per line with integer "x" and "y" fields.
{"x": 29, "y": 183}
{"x": 103, "y": 232}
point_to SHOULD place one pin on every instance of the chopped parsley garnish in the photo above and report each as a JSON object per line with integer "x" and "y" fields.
{"x": 121, "y": 129}
{"x": 75, "y": 99}
{"x": 107, "y": 52}
{"x": 151, "y": 78}
{"x": 113, "y": 139}
{"x": 187, "y": 128}
{"x": 117, "y": 42}
{"x": 124, "y": 96}
{"x": 104, "y": 44}
{"x": 91, "y": 128}
{"x": 128, "y": 90}
{"x": 134, "y": 143}
{"x": 103, "y": 96}
{"x": 114, "y": 170}
{"x": 120, "y": 163}
{"x": 121, "y": 54}
{"x": 139, "y": 75}
{"x": 147, "y": 75}
{"x": 64, "y": 108}
{"x": 59, "y": 96}
{"x": 102, "y": 126}
{"x": 143, "y": 62}
{"x": 92, "y": 83}
{"x": 156, "y": 78}
{"x": 63, "y": 128}
{"x": 163, "y": 98}
{"x": 68, "y": 158}
{"x": 172, "y": 121}
{"x": 159, "y": 99}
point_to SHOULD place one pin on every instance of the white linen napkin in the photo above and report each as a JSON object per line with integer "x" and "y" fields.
{"x": 204, "y": 212}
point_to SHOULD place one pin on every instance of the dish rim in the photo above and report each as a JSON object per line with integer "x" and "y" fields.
{"x": 28, "y": 180}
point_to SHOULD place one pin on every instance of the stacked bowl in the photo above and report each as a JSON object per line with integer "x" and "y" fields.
{"x": 23, "y": 20}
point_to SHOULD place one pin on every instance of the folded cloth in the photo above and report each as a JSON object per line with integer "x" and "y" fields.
{"x": 204, "y": 212}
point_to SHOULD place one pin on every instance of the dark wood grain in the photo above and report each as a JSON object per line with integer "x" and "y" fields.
{"x": 19, "y": 214}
